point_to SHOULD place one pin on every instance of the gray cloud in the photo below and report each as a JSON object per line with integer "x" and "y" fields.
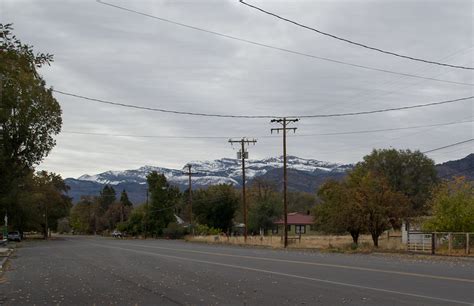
{"x": 110, "y": 54}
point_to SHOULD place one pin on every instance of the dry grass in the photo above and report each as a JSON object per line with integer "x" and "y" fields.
{"x": 328, "y": 242}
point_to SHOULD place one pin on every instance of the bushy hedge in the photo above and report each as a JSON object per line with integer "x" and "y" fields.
{"x": 174, "y": 231}
{"x": 204, "y": 230}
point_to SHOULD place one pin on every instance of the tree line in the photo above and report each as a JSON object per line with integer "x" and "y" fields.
{"x": 216, "y": 209}
{"x": 391, "y": 185}
{"x": 95, "y": 214}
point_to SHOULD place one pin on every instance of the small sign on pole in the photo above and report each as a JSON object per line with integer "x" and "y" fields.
{"x": 239, "y": 155}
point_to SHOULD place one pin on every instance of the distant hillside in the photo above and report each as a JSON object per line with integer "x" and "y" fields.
{"x": 464, "y": 167}
{"x": 136, "y": 192}
{"x": 299, "y": 180}
{"x": 303, "y": 175}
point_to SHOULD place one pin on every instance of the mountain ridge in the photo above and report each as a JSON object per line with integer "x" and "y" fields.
{"x": 303, "y": 175}
{"x": 219, "y": 171}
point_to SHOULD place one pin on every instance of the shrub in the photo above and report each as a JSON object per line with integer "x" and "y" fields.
{"x": 174, "y": 231}
{"x": 452, "y": 207}
{"x": 204, "y": 230}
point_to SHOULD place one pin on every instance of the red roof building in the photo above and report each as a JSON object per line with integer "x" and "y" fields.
{"x": 297, "y": 219}
{"x": 298, "y": 224}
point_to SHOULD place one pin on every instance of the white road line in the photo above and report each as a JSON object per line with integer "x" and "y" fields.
{"x": 466, "y": 280}
{"x": 289, "y": 275}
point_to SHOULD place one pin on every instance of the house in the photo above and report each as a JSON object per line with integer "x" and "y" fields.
{"x": 298, "y": 223}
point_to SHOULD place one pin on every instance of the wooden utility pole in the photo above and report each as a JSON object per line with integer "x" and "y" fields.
{"x": 284, "y": 123}
{"x": 190, "y": 196}
{"x": 146, "y": 214}
{"x": 46, "y": 221}
{"x": 243, "y": 155}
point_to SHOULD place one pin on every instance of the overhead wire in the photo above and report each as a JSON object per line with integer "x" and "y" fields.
{"x": 354, "y": 42}
{"x": 465, "y": 147}
{"x": 383, "y": 130}
{"x": 222, "y": 35}
{"x": 270, "y": 136}
{"x": 385, "y": 109}
{"x": 260, "y": 116}
{"x": 448, "y": 146}
{"x": 390, "y": 86}
{"x": 160, "y": 109}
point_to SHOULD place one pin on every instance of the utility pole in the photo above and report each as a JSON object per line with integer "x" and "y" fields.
{"x": 242, "y": 154}
{"x": 46, "y": 235}
{"x": 190, "y": 196}
{"x": 284, "y": 123}
{"x": 146, "y": 213}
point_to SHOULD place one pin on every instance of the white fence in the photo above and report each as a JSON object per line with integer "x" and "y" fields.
{"x": 446, "y": 243}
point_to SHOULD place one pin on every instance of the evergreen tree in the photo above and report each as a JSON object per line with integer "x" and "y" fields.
{"x": 124, "y": 199}
{"x": 125, "y": 205}
{"x": 163, "y": 200}
{"x": 107, "y": 197}
{"x": 216, "y": 206}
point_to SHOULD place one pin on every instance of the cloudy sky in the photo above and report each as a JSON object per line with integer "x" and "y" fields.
{"x": 107, "y": 53}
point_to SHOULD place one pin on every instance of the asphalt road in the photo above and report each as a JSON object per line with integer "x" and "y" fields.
{"x": 102, "y": 271}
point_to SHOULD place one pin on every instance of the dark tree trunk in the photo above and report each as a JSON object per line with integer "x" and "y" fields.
{"x": 45, "y": 232}
{"x": 355, "y": 236}
{"x": 375, "y": 238}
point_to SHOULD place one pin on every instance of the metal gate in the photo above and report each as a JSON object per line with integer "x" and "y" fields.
{"x": 419, "y": 242}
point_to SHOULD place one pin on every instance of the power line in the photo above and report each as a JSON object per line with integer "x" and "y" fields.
{"x": 279, "y": 48}
{"x": 384, "y": 130}
{"x": 145, "y": 136}
{"x": 393, "y": 87}
{"x": 448, "y": 146}
{"x": 353, "y": 42}
{"x": 159, "y": 109}
{"x": 386, "y": 109}
{"x": 269, "y": 136}
{"x": 258, "y": 116}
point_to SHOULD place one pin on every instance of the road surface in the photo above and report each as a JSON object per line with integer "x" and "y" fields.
{"x": 104, "y": 271}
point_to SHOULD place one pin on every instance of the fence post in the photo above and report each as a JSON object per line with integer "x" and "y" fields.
{"x": 433, "y": 243}
{"x": 408, "y": 240}
{"x": 468, "y": 249}
{"x": 450, "y": 243}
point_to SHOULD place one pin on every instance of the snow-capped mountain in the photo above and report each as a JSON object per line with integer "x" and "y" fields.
{"x": 219, "y": 171}
{"x": 303, "y": 175}
{"x": 225, "y": 170}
